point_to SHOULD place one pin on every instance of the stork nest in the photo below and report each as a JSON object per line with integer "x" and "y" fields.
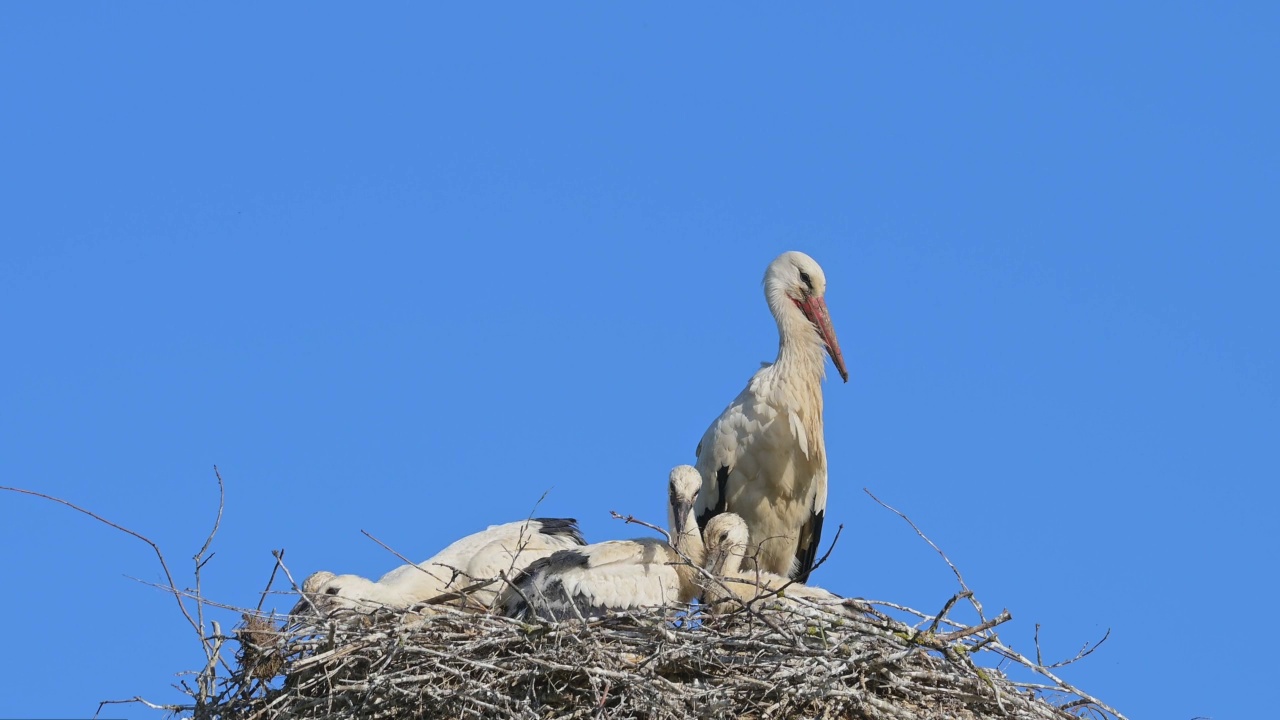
{"x": 767, "y": 659}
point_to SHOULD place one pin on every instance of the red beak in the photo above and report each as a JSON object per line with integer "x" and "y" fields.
{"x": 815, "y": 308}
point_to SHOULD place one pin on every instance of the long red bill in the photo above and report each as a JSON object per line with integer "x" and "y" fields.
{"x": 815, "y": 308}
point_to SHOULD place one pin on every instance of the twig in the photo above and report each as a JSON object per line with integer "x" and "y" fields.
{"x": 1039, "y": 659}
{"x": 1085, "y": 651}
{"x": 388, "y": 548}
{"x": 946, "y": 609}
{"x": 217, "y": 521}
{"x": 983, "y": 626}
{"x": 279, "y": 556}
{"x": 832, "y": 546}
{"x": 138, "y": 700}
{"x": 633, "y": 520}
{"x": 963, "y": 586}
{"x": 199, "y": 559}
{"x": 173, "y": 587}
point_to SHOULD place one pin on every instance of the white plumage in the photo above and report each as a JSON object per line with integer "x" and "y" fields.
{"x": 728, "y": 550}
{"x": 617, "y": 574}
{"x": 765, "y": 457}
{"x": 477, "y": 559}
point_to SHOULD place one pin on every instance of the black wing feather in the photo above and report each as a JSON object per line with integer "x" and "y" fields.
{"x": 722, "y": 497}
{"x": 525, "y": 586}
{"x": 806, "y": 554}
{"x": 561, "y": 526}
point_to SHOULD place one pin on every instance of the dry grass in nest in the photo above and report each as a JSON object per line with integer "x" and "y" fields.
{"x": 258, "y": 657}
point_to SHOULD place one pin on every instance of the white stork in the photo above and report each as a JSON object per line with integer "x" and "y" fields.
{"x": 469, "y": 567}
{"x": 764, "y": 458}
{"x": 727, "y": 551}
{"x": 617, "y": 574}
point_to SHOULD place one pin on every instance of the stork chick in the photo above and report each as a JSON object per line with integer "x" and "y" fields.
{"x": 617, "y": 574}
{"x": 475, "y": 560}
{"x": 731, "y": 586}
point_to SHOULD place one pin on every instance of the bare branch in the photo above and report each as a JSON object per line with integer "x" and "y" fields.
{"x": 388, "y": 548}
{"x": 963, "y": 586}
{"x": 217, "y": 521}
{"x": 1085, "y": 651}
{"x": 138, "y": 700}
{"x": 632, "y": 520}
{"x": 210, "y": 650}
{"x": 173, "y": 587}
{"x": 279, "y": 556}
{"x": 822, "y": 560}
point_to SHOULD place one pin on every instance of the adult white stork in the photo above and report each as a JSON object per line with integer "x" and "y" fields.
{"x": 728, "y": 550}
{"x": 469, "y": 567}
{"x": 617, "y": 574}
{"x": 764, "y": 458}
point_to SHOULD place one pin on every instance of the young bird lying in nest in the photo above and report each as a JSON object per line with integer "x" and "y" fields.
{"x": 726, "y": 539}
{"x": 466, "y": 574}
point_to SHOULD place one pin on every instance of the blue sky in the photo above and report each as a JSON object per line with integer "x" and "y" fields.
{"x": 404, "y": 269}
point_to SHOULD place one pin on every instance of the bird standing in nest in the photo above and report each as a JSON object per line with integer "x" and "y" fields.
{"x": 765, "y": 457}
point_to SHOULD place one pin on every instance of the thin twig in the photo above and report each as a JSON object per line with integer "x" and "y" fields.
{"x": 262, "y": 597}
{"x": 388, "y": 548}
{"x": 173, "y": 587}
{"x": 633, "y": 520}
{"x": 1085, "y": 651}
{"x": 199, "y": 559}
{"x": 963, "y": 586}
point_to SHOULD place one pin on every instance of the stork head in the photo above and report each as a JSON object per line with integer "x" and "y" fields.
{"x": 685, "y": 482}
{"x": 796, "y": 287}
{"x": 311, "y": 592}
{"x": 339, "y": 594}
{"x": 316, "y": 580}
{"x": 725, "y": 535}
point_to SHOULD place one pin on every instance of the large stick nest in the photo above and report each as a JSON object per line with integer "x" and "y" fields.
{"x": 768, "y": 659}
{"x": 772, "y": 657}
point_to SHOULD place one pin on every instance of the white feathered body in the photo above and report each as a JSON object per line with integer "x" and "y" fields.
{"x": 594, "y": 579}
{"x": 765, "y": 456}
{"x": 617, "y": 574}
{"x": 476, "y": 558}
{"x": 770, "y": 437}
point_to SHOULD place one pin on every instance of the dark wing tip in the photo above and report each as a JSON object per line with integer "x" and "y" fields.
{"x": 521, "y": 584}
{"x": 705, "y": 517}
{"x": 722, "y": 498}
{"x": 561, "y": 526}
{"x": 546, "y": 598}
{"x": 520, "y": 578}
{"x": 807, "y": 554}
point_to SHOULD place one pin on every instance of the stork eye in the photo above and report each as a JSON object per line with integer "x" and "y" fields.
{"x": 807, "y": 280}
{"x": 331, "y": 591}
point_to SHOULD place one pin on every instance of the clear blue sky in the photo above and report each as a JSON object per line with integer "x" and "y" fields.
{"x": 403, "y": 270}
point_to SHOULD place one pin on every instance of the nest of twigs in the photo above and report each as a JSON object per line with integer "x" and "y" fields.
{"x": 772, "y": 657}
{"x": 764, "y": 660}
